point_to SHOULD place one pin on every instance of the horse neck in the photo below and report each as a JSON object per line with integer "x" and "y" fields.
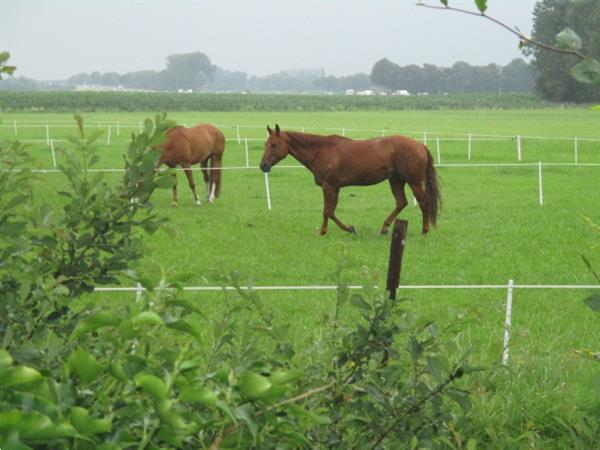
{"x": 304, "y": 154}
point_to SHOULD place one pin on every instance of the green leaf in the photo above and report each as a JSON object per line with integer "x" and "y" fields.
{"x": 152, "y": 385}
{"x": 146, "y": 318}
{"x": 567, "y": 39}
{"x": 444, "y": 2}
{"x": 94, "y": 322}
{"x": 20, "y": 376}
{"x": 357, "y": 300}
{"x": 481, "y": 5}
{"x": 593, "y": 302}
{"x": 587, "y": 71}
{"x": 182, "y": 325}
{"x": 245, "y": 414}
{"x": 460, "y": 397}
{"x": 86, "y": 425}
{"x": 5, "y": 358}
{"x": 254, "y": 385}
{"x": 283, "y": 377}
{"x": 84, "y": 365}
{"x": 164, "y": 411}
{"x": 199, "y": 395}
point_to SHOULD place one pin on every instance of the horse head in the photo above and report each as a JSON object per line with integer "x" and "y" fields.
{"x": 276, "y": 148}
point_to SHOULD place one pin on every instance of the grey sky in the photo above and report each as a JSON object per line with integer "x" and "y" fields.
{"x": 56, "y": 39}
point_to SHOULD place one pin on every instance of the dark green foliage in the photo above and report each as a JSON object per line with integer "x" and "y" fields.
{"x": 571, "y": 25}
{"x": 129, "y": 101}
{"x": 157, "y": 373}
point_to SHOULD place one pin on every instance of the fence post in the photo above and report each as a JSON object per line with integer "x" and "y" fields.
{"x": 246, "y": 147}
{"x": 108, "y": 136}
{"x": 118, "y": 129}
{"x": 395, "y": 261}
{"x": 575, "y": 151}
{"x": 343, "y": 132}
{"x": 53, "y": 154}
{"x": 437, "y": 143}
{"x": 519, "y": 148}
{"x": 469, "y": 148}
{"x": 507, "y": 321}
{"x": 16, "y": 132}
{"x": 138, "y": 292}
{"x": 47, "y": 134}
{"x": 383, "y": 133}
{"x": 237, "y": 130}
{"x": 541, "y": 190}
{"x": 268, "y": 192}
{"x": 424, "y": 137}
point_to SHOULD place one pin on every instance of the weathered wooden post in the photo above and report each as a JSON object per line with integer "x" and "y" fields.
{"x": 396, "y": 251}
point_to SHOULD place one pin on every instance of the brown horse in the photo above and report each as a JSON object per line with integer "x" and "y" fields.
{"x": 199, "y": 144}
{"x": 337, "y": 161}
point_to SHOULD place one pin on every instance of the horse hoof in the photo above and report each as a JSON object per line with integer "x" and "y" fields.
{"x": 322, "y": 232}
{"x": 424, "y": 232}
{"x": 383, "y": 231}
{"x": 351, "y": 229}
{"x": 174, "y": 204}
{"x": 211, "y": 200}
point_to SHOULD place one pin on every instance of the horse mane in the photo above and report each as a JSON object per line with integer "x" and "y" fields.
{"x": 307, "y": 140}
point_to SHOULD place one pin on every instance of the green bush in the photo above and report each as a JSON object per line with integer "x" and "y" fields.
{"x": 158, "y": 372}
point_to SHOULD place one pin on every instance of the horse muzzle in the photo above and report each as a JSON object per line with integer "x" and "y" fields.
{"x": 265, "y": 167}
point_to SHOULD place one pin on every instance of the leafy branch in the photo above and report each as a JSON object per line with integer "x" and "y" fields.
{"x": 567, "y": 41}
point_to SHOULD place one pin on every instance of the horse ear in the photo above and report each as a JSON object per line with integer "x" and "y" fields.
{"x": 277, "y": 130}
{"x": 269, "y": 130}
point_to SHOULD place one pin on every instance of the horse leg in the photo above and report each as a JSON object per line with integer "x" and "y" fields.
{"x": 397, "y": 186}
{"x": 205, "y": 175}
{"x": 419, "y": 192}
{"x": 175, "y": 190}
{"x": 330, "y": 197}
{"x": 187, "y": 168}
{"x": 215, "y": 177}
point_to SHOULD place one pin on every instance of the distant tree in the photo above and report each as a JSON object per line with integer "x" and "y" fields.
{"x": 188, "y": 70}
{"x": 385, "y": 74}
{"x": 517, "y": 76}
{"x": 554, "y": 80}
{"x": 357, "y": 82}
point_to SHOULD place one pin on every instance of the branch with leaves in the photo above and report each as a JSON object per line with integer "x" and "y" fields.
{"x": 4, "y": 67}
{"x": 567, "y": 41}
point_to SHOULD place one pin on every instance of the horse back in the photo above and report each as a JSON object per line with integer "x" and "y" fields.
{"x": 192, "y": 145}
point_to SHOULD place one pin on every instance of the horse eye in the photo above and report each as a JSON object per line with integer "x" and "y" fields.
{"x": 273, "y": 145}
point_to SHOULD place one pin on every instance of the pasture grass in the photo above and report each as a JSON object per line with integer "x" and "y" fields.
{"x": 491, "y": 229}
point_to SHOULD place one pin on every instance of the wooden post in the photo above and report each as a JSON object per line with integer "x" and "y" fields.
{"x": 396, "y": 250}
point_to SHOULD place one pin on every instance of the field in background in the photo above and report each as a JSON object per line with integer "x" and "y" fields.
{"x": 491, "y": 229}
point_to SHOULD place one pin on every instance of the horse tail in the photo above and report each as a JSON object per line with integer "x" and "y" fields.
{"x": 216, "y": 159}
{"x": 432, "y": 189}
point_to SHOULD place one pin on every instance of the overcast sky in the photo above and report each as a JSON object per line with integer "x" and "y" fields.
{"x": 56, "y": 39}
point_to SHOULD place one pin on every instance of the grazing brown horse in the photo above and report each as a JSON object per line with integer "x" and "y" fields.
{"x": 199, "y": 144}
{"x": 337, "y": 161}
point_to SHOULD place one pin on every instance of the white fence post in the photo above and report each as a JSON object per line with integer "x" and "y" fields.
{"x": 343, "y": 132}
{"x": 108, "y": 136}
{"x": 247, "y": 158}
{"x": 53, "y": 154}
{"x": 541, "y": 190}
{"x": 507, "y": 321}
{"x": 519, "y": 148}
{"x": 237, "y": 130}
{"x": 268, "y": 192}
{"x": 469, "y": 148}
{"x": 425, "y": 137}
{"x": 118, "y": 129}
{"x": 47, "y": 134}
{"x": 138, "y": 292}
{"x": 437, "y": 144}
{"x": 576, "y": 151}
{"x": 383, "y": 133}
{"x": 16, "y": 132}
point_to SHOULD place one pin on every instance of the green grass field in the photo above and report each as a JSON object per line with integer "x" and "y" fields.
{"x": 491, "y": 229}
